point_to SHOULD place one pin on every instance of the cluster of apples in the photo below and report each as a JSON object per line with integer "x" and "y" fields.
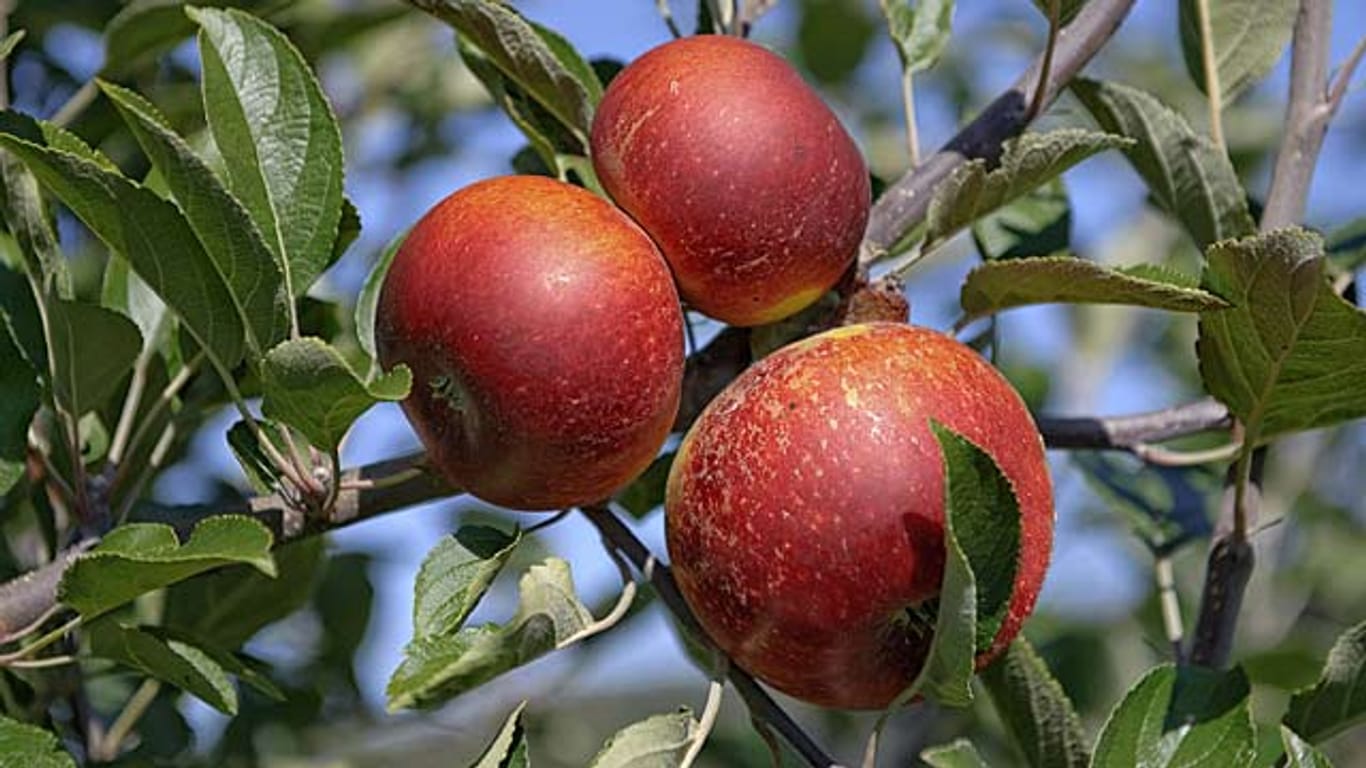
{"x": 805, "y": 506}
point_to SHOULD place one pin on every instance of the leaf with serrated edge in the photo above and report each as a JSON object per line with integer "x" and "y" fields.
{"x": 1038, "y": 223}
{"x": 278, "y": 137}
{"x": 456, "y": 574}
{"x": 439, "y": 667}
{"x": 1000, "y": 285}
{"x": 223, "y": 226}
{"x": 309, "y": 386}
{"x": 1338, "y": 700}
{"x": 137, "y": 558}
{"x": 1180, "y": 717}
{"x": 1189, "y": 177}
{"x": 1249, "y": 37}
{"x": 93, "y": 350}
{"x": 973, "y": 190}
{"x": 147, "y": 230}
{"x": 1300, "y": 753}
{"x": 232, "y": 604}
{"x": 956, "y": 754}
{"x": 918, "y": 31}
{"x": 537, "y": 64}
{"x": 1035, "y": 710}
{"x": 508, "y": 748}
{"x": 180, "y": 664}
{"x": 660, "y": 741}
{"x": 1291, "y": 354}
{"x": 28, "y": 746}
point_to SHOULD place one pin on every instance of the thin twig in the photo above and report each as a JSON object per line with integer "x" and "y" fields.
{"x": 761, "y": 705}
{"x": 109, "y": 747}
{"x": 908, "y": 103}
{"x": 1054, "y": 22}
{"x": 74, "y": 106}
{"x": 623, "y": 604}
{"x": 1171, "y": 604}
{"x": 1166, "y": 457}
{"x": 706, "y": 722}
{"x": 1213, "y": 95}
{"x": 1125, "y": 432}
{"x": 1344, "y": 76}
{"x": 667, "y": 15}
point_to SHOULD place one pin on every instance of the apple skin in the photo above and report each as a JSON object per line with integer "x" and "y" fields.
{"x": 545, "y": 338}
{"x": 804, "y": 510}
{"x": 756, "y": 195}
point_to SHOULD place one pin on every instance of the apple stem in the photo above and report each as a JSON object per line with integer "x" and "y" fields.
{"x": 1213, "y": 94}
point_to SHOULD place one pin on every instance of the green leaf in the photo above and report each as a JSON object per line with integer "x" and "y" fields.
{"x": 546, "y": 135}
{"x": 918, "y": 31}
{"x": 508, "y": 749}
{"x": 1300, "y": 753}
{"x": 1249, "y": 37}
{"x": 1067, "y": 9}
{"x": 20, "y": 319}
{"x": 438, "y": 667}
{"x": 1338, "y": 700}
{"x": 540, "y": 62}
{"x": 93, "y": 350}
{"x": 1035, "y": 710}
{"x": 223, "y": 226}
{"x": 20, "y": 395}
{"x": 1000, "y": 285}
{"x": 1180, "y": 717}
{"x": 309, "y": 386}
{"x": 142, "y": 29}
{"x": 278, "y": 137}
{"x": 1347, "y": 245}
{"x": 1291, "y": 354}
{"x": 348, "y": 230}
{"x": 259, "y": 468}
{"x": 1038, "y": 223}
{"x": 191, "y": 665}
{"x": 29, "y": 219}
{"x": 140, "y": 557}
{"x": 660, "y": 741}
{"x": 124, "y": 292}
{"x": 144, "y": 228}
{"x": 1188, "y": 176}
{"x": 973, "y": 190}
{"x": 984, "y": 515}
{"x": 646, "y": 492}
{"x": 368, "y": 300}
{"x": 1166, "y": 506}
{"x": 28, "y": 746}
{"x": 232, "y": 604}
{"x": 456, "y": 574}
{"x": 957, "y": 754}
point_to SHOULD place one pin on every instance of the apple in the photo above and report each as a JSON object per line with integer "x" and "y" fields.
{"x": 746, "y": 180}
{"x": 545, "y": 338}
{"x": 805, "y": 507}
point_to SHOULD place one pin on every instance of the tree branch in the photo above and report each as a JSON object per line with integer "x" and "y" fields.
{"x": 1127, "y": 432}
{"x": 904, "y": 204}
{"x": 761, "y": 706}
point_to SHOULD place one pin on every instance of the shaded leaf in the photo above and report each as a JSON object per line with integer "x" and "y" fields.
{"x": 309, "y": 386}
{"x": 279, "y": 139}
{"x": 143, "y": 29}
{"x": 1180, "y": 717}
{"x": 1338, "y": 700}
{"x": 141, "y": 226}
{"x": 1188, "y": 176}
{"x": 20, "y": 395}
{"x": 1167, "y": 506}
{"x": 29, "y": 219}
{"x": 1249, "y": 37}
{"x": 1300, "y": 753}
{"x": 646, "y": 492}
{"x": 348, "y": 230}
{"x": 973, "y": 190}
{"x": 1291, "y": 354}
{"x": 1038, "y": 223}
{"x": 259, "y": 469}
{"x": 368, "y": 299}
{"x": 1000, "y": 285}
{"x": 438, "y": 667}
{"x": 539, "y": 61}
{"x": 223, "y": 226}
{"x": 232, "y": 604}
{"x": 8, "y": 44}
{"x": 125, "y": 292}
{"x": 545, "y": 134}
{"x": 137, "y": 558}
{"x": 455, "y": 575}
{"x": 93, "y": 350}
{"x": 919, "y": 30}
{"x": 957, "y": 754}
{"x": 1347, "y": 245}
{"x": 660, "y": 741}
{"x": 28, "y": 746}
{"x": 1036, "y": 711}
{"x": 508, "y": 749}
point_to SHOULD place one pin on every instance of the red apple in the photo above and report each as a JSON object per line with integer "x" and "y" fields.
{"x": 805, "y": 508}
{"x": 754, "y": 192}
{"x": 545, "y": 339}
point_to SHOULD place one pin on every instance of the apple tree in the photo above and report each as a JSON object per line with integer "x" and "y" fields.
{"x": 687, "y": 309}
